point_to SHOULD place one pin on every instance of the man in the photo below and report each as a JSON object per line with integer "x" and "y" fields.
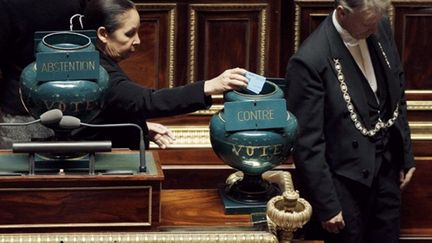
{"x": 353, "y": 154}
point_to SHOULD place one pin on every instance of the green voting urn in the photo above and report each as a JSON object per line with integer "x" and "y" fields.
{"x": 253, "y": 133}
{"x": 66, "y": 75}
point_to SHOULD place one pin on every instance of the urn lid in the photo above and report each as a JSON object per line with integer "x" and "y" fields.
{"x": 65, "y": 41}
{"x": 270, "y": 91}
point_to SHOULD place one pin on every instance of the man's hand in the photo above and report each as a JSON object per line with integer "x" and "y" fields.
{"x": 160, "y": 135}
{"x": 405, "y": 178}
{"x": 335, "y": 224}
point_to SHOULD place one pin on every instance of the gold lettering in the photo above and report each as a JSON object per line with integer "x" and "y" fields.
{"x": 264, "y": 151}
{"x": 234, "y": 149}
{"x": 250, "y": 150}
{"x": 75, "y": 106}
{"x": 76, "y": 66}
{"x": 255, "y": 115}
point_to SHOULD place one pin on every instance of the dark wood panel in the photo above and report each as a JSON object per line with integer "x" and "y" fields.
{"x": 216, "y": 52}
{"x": 412, "y": 25}
{"x": 197, "y": 177}
{"x": 420, "y": 115}
{"x": 416, "y": 207}
{"x": 287, "y": 25}
{"x": 224, "y": 36}
{"x": 309, "y": 15}
{"x": 58, "y": 206}
{"x": 228, "y": 34}
{"x": 150, "y": 64}
{"x": 188, "y": 119}
{"x": 422, "y": 148}
{"x": 194, "y": 156}
{"x": 197, "y": 208}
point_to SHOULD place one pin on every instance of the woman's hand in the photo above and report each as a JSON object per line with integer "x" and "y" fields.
{"x": 160, "y": 135}
{"x": 228, "y": 80}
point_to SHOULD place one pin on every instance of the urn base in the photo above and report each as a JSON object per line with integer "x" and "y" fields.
{"x": 249, "y": 195}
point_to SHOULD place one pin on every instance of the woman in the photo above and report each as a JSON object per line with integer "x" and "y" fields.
{"x": 116, "y": 23}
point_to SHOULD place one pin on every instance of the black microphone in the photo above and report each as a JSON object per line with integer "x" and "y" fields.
{"x": 71, "y": 122}
{"x": 47, "y": 118}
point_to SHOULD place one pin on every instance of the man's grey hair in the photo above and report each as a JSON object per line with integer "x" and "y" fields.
{"x": 374, "y": 6}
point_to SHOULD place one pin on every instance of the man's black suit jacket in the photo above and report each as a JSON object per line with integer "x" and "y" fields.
{"x": 328, "y": 143}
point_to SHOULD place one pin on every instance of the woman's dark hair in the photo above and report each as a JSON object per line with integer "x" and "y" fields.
{"x": 105, "y": 13}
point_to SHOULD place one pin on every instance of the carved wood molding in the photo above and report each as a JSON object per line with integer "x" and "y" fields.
{"x": 419, "y": 105}
{"x": 211, "y": 111}
{"x": 171, "y": 10}
{"x": 297, "y": 28}
{"x": 421, "y": 130}
{"x": 146, "y": 237}
{"x": 193, "y": 27}
{"x": 189, "y": 137}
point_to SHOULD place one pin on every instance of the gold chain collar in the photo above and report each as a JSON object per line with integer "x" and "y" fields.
{"x": 354, "y": 117}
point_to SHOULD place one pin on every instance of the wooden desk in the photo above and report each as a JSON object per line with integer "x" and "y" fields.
{"x": 198, "y": 208}
{"x": 76, "y": 201}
